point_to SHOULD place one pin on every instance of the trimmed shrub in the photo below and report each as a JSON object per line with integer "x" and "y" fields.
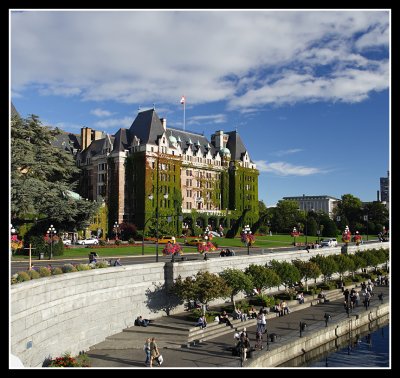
{"x": 68, "y": 268}
{"x": 131, "y": 241}
{"x": 118, "y": 242}
{"x": 81, "y": 267}
{"x": 102, "y": 243}
{"x": 33, "y": 274}
{"x": 101, "y": 264}
{"x": 56, "y": 271}
{"x": 23, "y": 276}
{"x": 44, "y": 272}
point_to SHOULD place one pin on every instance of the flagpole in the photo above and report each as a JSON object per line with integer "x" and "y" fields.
{"x": 184, "y": 114}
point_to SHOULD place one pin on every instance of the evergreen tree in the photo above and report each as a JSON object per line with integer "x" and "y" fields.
{"x": 43, "y": 176}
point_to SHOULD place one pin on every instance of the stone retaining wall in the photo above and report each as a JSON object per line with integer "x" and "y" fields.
{"x": 71, "y": 312}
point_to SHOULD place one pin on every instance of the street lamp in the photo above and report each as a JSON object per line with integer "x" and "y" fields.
{"x": 51, "y": 232}
{"x": 157, "y": 214}
{"x": 318, "y": 233}
{"x": 294, "y": 234}
{"x": 247, "y": 232}
{"x": 366, "y": 220}
{"x": 116, "y": 229}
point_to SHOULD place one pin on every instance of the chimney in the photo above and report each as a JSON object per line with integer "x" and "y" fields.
{"x": 164, "y": 123}
{"x": 86, "y": 137}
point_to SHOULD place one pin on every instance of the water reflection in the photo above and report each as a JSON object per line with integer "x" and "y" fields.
{"x": 371, "y": 350}
{"x": 367, "y": 346}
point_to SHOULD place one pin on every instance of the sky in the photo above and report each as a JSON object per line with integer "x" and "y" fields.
{"x": 307, "y": 90}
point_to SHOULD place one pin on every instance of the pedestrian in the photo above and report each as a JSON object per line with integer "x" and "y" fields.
{"x": 154, "y": 352}
{"x": 117, "y": 262}
{"x": 146, "y": 348}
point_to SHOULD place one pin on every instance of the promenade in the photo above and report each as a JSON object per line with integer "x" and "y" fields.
{"x": 124, "y": 350}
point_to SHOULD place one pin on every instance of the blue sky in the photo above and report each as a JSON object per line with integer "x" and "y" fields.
{"x": 308, "y": 91}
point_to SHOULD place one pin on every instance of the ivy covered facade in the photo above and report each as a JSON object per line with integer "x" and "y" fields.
{"x": 181, "y": 176}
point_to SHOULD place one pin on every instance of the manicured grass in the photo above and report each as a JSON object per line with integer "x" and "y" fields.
{"x": 132, "y": 250}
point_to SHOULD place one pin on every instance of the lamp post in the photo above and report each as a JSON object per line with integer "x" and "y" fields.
{"x": 247, "y": 232}
{"x": 157, "y": 214}
{"x": 318, "y": 233}
{"x": 366, "y": 220}
{"x": 51, "y": 232}
{"x": 294, "y": 234}
{"x": 116, "y": 229}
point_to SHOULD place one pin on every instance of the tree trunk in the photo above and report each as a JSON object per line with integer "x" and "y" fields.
{"x": 233, "y": 301}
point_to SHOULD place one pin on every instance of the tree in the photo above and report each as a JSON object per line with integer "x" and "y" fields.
{"x": 327, "y": 264}
{"x": 286, "y": 215}
{"x": 203, "y": 287}
{"x": 350, "y": 207}
{"x": 358, "y": 262}
{"x": 371, "y": 258}
{"x": 288, "y": 273}
{"x": 262, "y": 277}
{"x": 344, "y": 264}
{"x": 237, "y": 281}
{"x": 307, "y": 269}
{"x": 43, "y": 177}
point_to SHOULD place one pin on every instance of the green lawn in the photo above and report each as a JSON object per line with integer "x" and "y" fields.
{"x": 267, "y": 241}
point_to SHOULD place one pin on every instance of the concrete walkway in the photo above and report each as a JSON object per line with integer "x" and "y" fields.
{"x": 124, "y": 350}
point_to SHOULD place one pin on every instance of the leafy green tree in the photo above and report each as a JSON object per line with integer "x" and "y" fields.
{"x": 370, "y": 256}
{"x": 43, "y": 176}
{"x": 203, "y": 287}
{"x": 286, "y": 215}
{"x": 288, "y": 273}
{"x": 350, "y": 207}
{"x": 262, "y": 277}
{"x": 311, "y": 226}
{"x": 307, "y": 270}
{"x": 344, "y": 264}
{"x": 358, "y": 262}
{"x": 327, "y": 264}
{"x": 237, "y": 281}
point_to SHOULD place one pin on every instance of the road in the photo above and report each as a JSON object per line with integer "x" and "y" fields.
{"x": 128, "y": 260}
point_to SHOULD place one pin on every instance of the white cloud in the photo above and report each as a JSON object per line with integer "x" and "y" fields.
{"x": 281, "y": 168}
{"x": 98, "y": 112}
{"x": 287, "y": 152}
{"x": 125, "y": 122}
{"x": 256, "y": 58}
{"x": 212, "y": 118}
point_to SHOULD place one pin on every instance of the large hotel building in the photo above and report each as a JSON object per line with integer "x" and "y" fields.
{"x": 181, "y": 175}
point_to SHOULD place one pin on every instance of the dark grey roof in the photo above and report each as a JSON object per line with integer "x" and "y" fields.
{"x": 194, "y": 137}
{"x": 96, "y": 147}
{"x": 14, "y": 111}
{"x": 147, "y": 127}
{"x": 67, "y": 141}
{"x": 121, "y": 142}
{"x": 235, "y": 145}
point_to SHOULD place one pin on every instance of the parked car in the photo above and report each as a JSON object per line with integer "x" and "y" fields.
{"x": 195, "y": 242}
{"x": 167, "y": 239}
{"x": 90, "y": 241}
{"x": 328, "y": 242}
{"x": 67, "y": 241}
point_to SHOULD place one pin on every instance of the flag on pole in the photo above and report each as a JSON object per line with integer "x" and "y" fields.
{"x": 183, "y": 100}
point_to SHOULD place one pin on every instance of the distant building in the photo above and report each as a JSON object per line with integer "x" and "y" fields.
{"x": 323, "y": 203}
{"x": 384, "y": 181}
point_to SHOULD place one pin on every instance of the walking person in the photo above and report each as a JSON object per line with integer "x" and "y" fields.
{"x": 146, "y": 348}
{"x": 154, "y": 352}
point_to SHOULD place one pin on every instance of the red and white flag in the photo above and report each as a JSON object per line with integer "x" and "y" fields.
{"x": 183, "y": 100}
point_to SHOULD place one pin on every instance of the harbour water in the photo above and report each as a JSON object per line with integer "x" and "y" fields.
{"x": 366, "y": 351}
{"x": 368, "y": 347}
